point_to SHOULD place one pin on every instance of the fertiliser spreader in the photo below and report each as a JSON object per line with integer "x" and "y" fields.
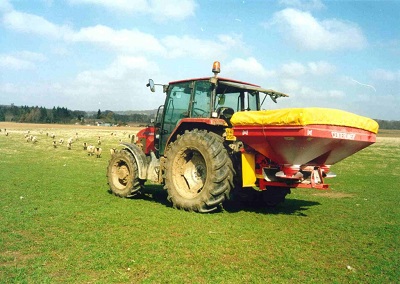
{"x": 296, "y": 147}
{"x": 211, "y": 141}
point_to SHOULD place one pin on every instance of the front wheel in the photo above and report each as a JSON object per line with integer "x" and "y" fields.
{"x": 122, "y": 174}
{"x": 198, "y": 171}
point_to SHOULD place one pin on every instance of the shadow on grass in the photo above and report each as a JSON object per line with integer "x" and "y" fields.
{"x": 295, "y": 207}
{"x": 156, "y": 193}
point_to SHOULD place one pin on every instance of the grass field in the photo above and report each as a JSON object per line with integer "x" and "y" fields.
{"x": 59, "y": 224}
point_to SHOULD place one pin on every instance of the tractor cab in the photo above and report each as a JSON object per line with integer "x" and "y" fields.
{"x": 204, "y": 103}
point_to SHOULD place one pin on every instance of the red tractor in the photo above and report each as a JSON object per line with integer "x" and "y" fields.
{"x": 211, "y": 141}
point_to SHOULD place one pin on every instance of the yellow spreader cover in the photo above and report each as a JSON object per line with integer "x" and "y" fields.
{"x": 302, "y": 117}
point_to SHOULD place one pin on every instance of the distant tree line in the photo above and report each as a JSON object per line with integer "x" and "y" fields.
{"x": 65, "y": 116}
{"x": 109, "y": 116}
{"x": 38, "y": 114}
{"x": 388, "y": 124}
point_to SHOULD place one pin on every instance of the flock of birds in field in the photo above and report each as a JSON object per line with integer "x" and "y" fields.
{"x": 92, "y": 149}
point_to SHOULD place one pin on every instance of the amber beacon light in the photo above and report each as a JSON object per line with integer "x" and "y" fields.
{"x": 216, "y": 68}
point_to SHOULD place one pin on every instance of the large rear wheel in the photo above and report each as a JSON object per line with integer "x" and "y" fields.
{"x": 198, "y": 171}
{"x": 122, "y": 174}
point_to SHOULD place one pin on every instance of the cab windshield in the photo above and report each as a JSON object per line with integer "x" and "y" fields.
{"x": 235, "y": 98}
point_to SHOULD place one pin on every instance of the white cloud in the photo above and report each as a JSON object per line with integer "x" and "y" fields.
{"x": 123, "y": 5}
{"x": 12, "y": 62}
{"x": 303, "y": 4}
{"x": 321, "y": 68}
{"x": 310, "y": 33}
{"x": 60, "y": 50}
{"x": 392, "y": 45}
{"x": 336, "y": 94}
{"x": 48, "y": 3}
{"x": 172, "y": 9}
{"x": 320, "y": 94}
{"x": 5, "y": 6}
{"x": 187, "y": 46}
{"x": 31, "y": 56}
{"x": 118, "y": 70}
{"x": 302, "y": 89}
{"x": 250, "y": 66}
{"x": 25, "y": 94}
{"x": 385, "y": 75}
{"x": 231, "y": 40}
{"x": 290, "y": 85}
{"x": 296, "y": 69}
{"x": 22, "y": 60}
{"x": 159, "y": 9}
{"x": 293, "y": 69}
{"x": 120, "y": 86}
{"x": 128, "y": 41}
{"x": 29, "y": 23}
{"x": 8, "y": 89}
{"x": 303, "y": 95}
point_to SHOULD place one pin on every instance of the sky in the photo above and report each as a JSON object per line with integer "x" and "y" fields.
{"x": 99, "y": 54}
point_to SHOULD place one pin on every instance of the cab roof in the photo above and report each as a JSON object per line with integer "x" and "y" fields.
{"x": 237, "y": 84}
{"x": 208, "y": 78}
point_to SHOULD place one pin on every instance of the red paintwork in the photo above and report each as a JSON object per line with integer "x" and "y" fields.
{"x": 205, "y": 120}
{"x": 198, "y": 120}
{"x": 146, "y": 137}
{"x": 295, "y": 150}
{"x": 314, "y": 145}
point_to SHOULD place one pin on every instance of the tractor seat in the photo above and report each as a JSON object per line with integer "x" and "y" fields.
{"x": 225, "y": 113}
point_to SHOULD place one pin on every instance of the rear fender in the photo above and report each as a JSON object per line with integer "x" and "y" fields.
{"x": 212, "y": 124}
{"x": 140, "y": 158}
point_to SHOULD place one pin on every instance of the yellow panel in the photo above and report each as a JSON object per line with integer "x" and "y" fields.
{"x": 248, "y": 169}
{"x": 229, "y": 134}
{"x": 304, "y": 116}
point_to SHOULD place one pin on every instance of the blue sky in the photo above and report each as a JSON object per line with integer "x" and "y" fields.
{"x": 99, "y": 54}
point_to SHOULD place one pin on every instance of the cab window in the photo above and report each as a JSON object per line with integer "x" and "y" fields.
{"x": 202, "y": 99}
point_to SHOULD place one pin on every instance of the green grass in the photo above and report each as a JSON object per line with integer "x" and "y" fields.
{"x": 59, "y": 224}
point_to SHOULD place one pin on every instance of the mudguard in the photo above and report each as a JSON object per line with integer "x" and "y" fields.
{"x": 140, "y": 158}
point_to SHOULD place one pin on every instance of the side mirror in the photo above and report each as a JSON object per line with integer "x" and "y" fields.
{"x": 151, "y": 85}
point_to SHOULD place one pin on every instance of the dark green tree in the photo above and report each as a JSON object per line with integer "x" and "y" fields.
{"x": 2, "y": 114}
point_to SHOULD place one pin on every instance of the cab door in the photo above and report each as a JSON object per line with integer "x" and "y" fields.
{"x": 177, "y": 106}
{"x": 202, "y": 103}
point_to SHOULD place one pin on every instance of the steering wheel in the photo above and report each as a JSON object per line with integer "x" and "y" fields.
{"x": 198, "y": 112}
